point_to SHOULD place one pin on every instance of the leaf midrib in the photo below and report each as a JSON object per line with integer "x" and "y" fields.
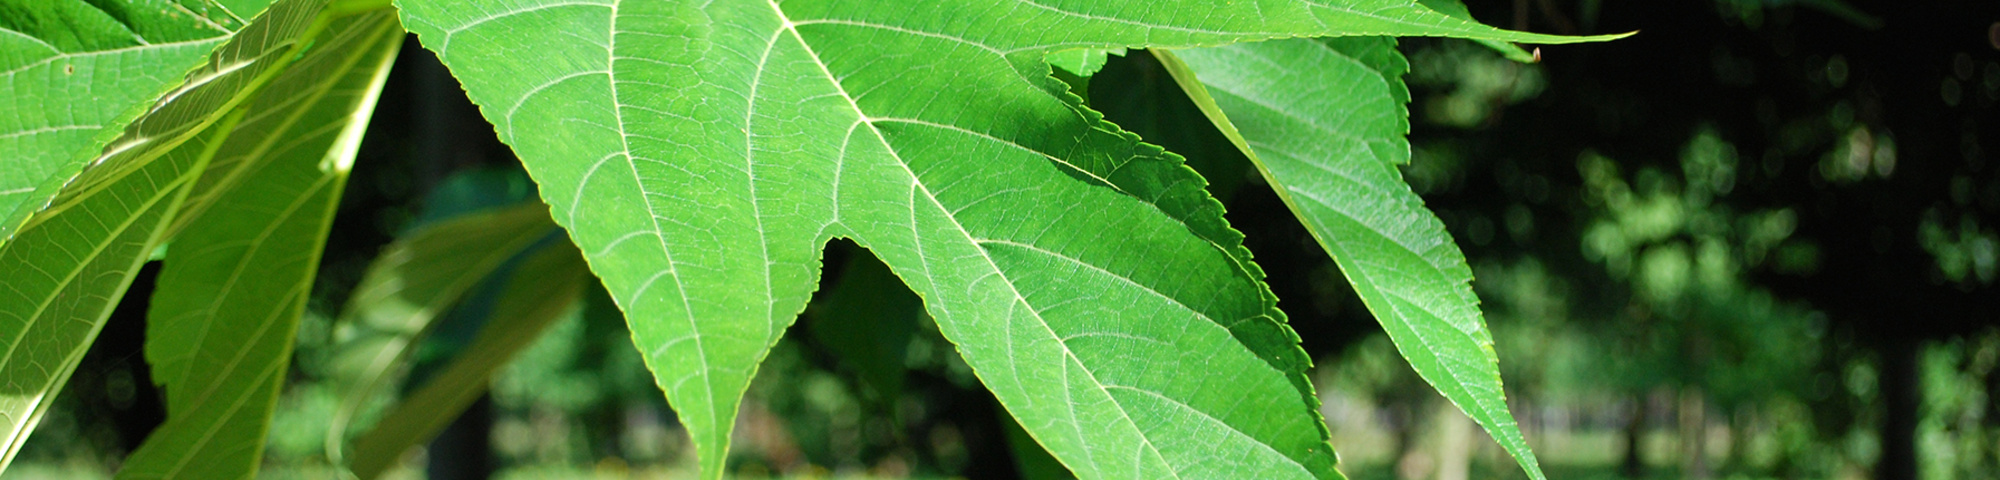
{"x": 228, "y": 287}
{"x": 750, "y": 178}
{"x": 1009, "y": 143}
{"x": 1238, "y": 263}
{"x": 68, "y": 365}
{"x": 1399, "y": 304}
{"x": 230, "y": 412}
{"x": 1136, "y": 23}
{"x": 319, "y": 93}
{"x": 863, "y": 117}
{"x": 652, "y": 215}
{"x": 42, "y": 130}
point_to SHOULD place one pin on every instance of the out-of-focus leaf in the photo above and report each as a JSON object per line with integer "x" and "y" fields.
{"x": 415, "y": 280}
{"x": 222, "y": 321}
{"x": 472, "y": 190}
{"x": 1325, "y": 120}
{"x": 867, "y": 320}
{"x": 1839, "y": 9}
{"x": 538, "y": 291}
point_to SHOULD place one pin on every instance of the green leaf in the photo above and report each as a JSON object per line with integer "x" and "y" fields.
{"x": 80, "y": 75}
{"x": 79, "y": 26}
{"x": 544, "y": 286}
{"x": 1325, "y": 120}
{"x": 1029, "y": 457}
{"x": 221, "y": 325}
{"x": 70, "y": 262}
{"x": 867, "y": 320}
{"x": 1140, "y": 97}
{"x": 701, "y": 155}
{"x": 65, "y": 274}
{"x": 414, "y": 281}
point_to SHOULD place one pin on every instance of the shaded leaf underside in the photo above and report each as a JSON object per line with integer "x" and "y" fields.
{"x": 701, "y": 155}
{"x": 222, "y": 321}
{"x": 91, "y": 227}
{"x": 63, "y": 278}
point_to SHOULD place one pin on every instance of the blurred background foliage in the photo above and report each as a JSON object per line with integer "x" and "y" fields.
{"x": 1757, "y": 240}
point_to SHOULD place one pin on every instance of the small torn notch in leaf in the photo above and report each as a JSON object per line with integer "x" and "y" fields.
{"x": 1084, "y": 62}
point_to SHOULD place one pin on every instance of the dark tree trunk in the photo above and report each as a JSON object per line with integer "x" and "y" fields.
{"x": 1901, "y": 398}
{"x": 1634, "y": 465}
{"x": 463, "y": 451}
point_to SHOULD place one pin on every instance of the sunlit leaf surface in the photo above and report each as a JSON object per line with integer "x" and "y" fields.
{"x": 701, "y": 154}
{"x": 78, "y": 73}
{"x": 1325, "y": 121}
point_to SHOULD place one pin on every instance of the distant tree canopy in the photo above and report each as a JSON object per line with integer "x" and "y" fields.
{"x": 1859, "y": 135}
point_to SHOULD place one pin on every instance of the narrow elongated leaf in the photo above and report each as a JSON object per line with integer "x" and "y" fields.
{"x": 81, "y": 72}
{"x": 701, "y": 154}
{"x": 1325, "y": 121}
{"x": 221, "y": 326}
{"x": 414, "y": 281}
{"x": 1457, "y": 8}
{"x": 538, "y": 291}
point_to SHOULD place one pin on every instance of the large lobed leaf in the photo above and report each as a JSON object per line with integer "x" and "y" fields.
{"x": 700, "y": 155}
{"x": 221, "y": 326}
{"x": 1325, "y": 122}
